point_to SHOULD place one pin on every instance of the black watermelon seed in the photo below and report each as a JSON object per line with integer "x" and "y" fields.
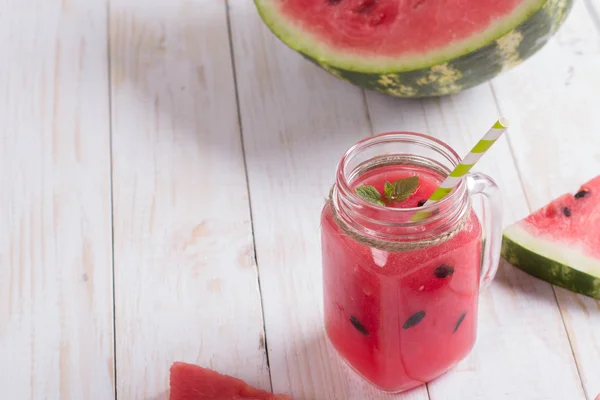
{"x": 361, "y": 328}
{"x": 421, "y": 203}
{"x": 334, "y": 1}
{"x": 460, "y": 320}
{"x": 581, "y": 193}
{"x": 414, "y": 320}
{"x": 566, "y": 211}
{"x": 443, "y": 271}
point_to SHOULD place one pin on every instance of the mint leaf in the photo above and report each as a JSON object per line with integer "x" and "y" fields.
{"x": 371, "y": 194}
{"x": 401, "y": 189}
{"x": 389, "y": 190}
{"x": 405, "y": 187}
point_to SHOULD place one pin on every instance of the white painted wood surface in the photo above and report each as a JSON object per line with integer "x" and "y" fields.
{"x": 593, "y": 7}
{"x": 185, "y": 278}
{"x": 125, "y": 143}
{"x": 56, "y": 322}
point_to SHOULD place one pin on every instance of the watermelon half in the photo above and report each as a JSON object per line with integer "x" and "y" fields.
{"x": 415, "y": 48}
{"x": 559, "y": 243}
{"x": 192, "y": 382}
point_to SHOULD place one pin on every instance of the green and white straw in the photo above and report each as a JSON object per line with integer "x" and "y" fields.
{"x": 466, "y": 164}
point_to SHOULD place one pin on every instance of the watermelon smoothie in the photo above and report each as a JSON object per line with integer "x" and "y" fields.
{"x": 399, "y": 316}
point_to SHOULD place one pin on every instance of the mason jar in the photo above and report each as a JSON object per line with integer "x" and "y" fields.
{"x": 401, "y": 293}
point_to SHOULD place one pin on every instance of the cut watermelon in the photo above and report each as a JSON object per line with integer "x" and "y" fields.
{"x": 192, "y": 382}
{"x": 559, "y": 243}
{"x": 415, "y": 48}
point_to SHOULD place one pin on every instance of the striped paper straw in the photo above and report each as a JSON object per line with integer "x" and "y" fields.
{"x": 466, "y": 164}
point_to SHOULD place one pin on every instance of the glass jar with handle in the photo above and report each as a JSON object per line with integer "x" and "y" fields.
{"x": 401, "y": 294}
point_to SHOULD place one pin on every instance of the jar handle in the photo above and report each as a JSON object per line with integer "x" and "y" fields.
{"x": 479, "y": 183}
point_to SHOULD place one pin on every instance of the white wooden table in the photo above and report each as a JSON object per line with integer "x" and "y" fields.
{"x": 163, "y": 164}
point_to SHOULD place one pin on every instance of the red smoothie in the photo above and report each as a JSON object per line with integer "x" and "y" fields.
{"x": 401, "y": 319}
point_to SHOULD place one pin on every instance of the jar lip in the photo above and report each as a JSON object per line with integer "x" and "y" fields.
{"x": 420, "y": 138}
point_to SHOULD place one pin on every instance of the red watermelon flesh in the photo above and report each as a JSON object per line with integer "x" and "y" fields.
{"x": 395, "y": 27}
{"x": 192, "y": 382}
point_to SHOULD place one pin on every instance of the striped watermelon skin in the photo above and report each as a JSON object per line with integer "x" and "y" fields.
{"x": 454, "y": 75}
{"x": 550, "y": 270}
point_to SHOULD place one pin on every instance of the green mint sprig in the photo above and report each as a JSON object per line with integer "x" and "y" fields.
{"x": 400, "y": 190}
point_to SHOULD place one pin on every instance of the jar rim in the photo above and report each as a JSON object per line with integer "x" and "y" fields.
{"x": 442, "y": 148}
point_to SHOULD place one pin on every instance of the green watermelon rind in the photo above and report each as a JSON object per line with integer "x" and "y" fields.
{"x": 559, "y": 264}
{"x": 452, "y": 73}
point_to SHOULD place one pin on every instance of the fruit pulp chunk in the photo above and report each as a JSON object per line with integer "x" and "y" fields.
{"x": 401, "y": 319}
{"x": 395, "y": 27}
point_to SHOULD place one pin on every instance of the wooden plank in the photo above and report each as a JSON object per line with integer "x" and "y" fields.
{"x": 185, "y": 276}
{"x": 56, "y": 320}
{"x": 297, "y": 122}
{"x": 509, "y": 345}
{"x": 553, "y": 100}
{"x": 594, "y": 12}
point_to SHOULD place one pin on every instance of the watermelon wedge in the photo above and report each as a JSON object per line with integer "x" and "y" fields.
{"x": 415, "y": 48}
{"x": 192, "y": 382}
{"x": 559, "y": 243}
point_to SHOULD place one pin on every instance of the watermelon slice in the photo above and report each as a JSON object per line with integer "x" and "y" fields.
{"x": 192, "y": 382}
{"x": 415, "y": 48}
{"x": 559, "y": 243}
